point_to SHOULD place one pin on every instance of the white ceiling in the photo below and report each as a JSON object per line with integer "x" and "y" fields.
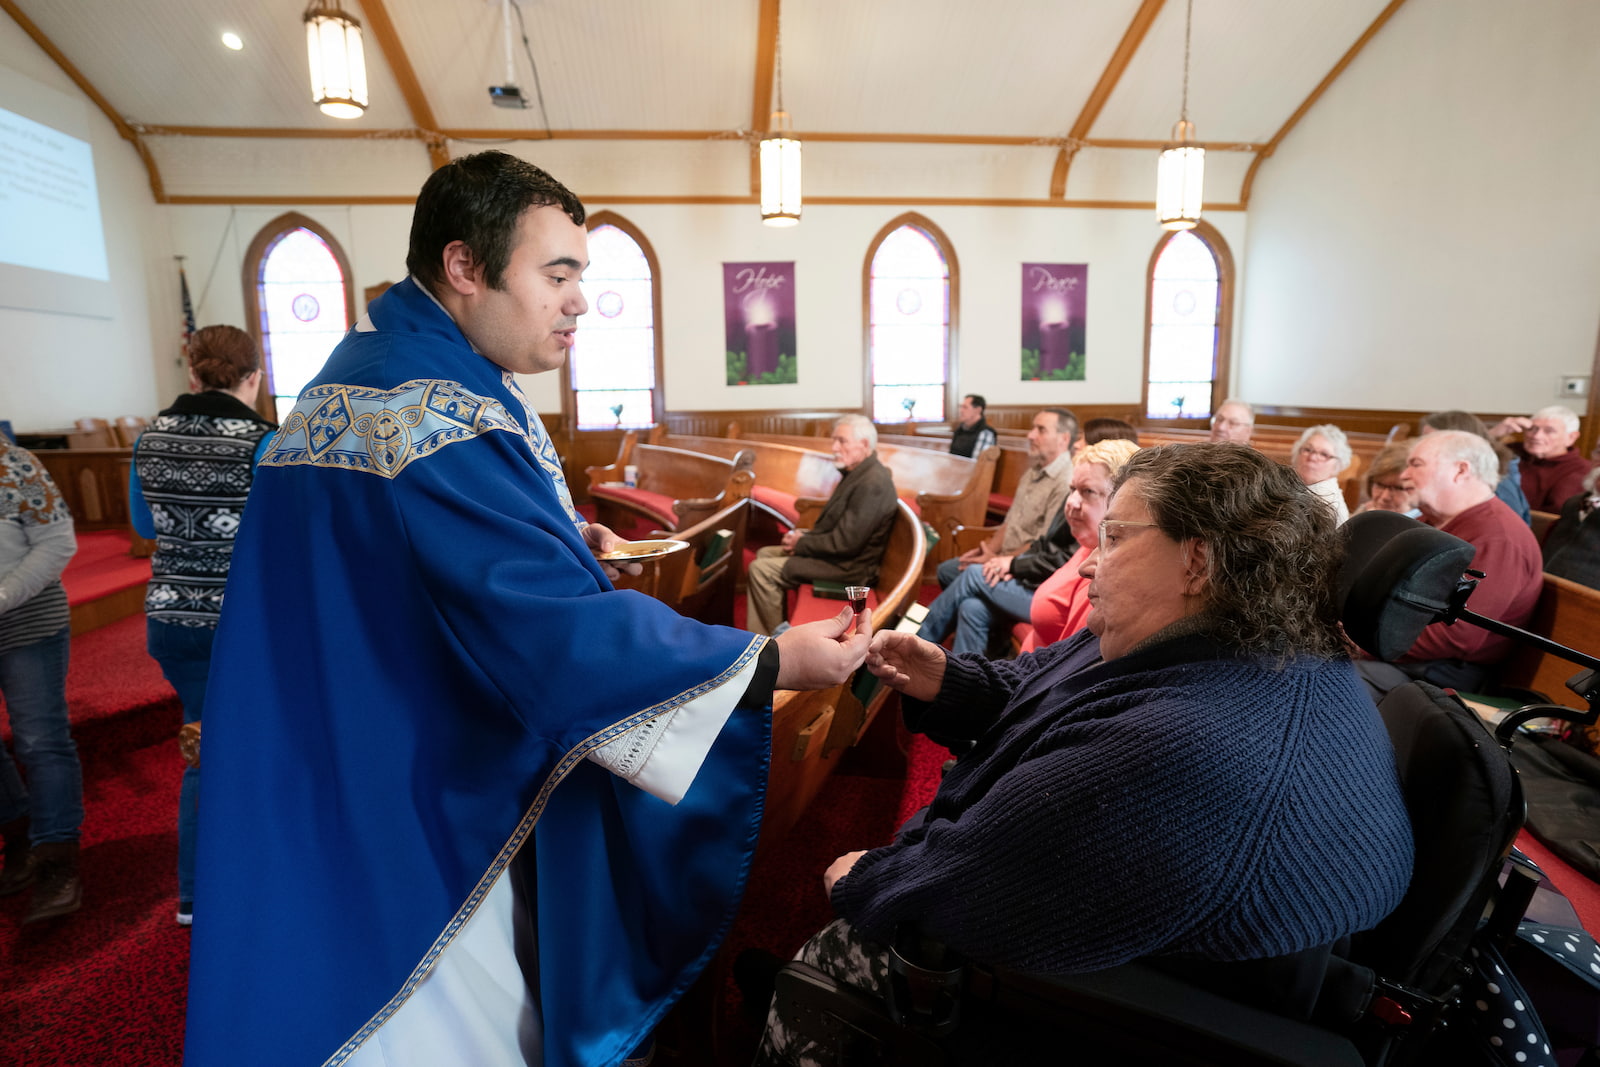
{"x": 880, "y": 70}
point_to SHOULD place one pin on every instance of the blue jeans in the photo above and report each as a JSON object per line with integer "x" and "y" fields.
{"x": 973, "y": 608}
{"x": 33, "y": 679}
{"x": 184, "y": 653}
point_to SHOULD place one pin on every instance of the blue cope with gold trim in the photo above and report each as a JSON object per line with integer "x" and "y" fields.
{"x": 416, "y": 652}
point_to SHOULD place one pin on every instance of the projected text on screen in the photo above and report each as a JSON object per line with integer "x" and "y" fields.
{"x": 49, "y": 208}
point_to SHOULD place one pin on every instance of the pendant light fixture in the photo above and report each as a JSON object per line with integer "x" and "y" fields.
{"x": 338, "y": 65}
{"x": 1180, "y": 175}
{"x": 780, "y": 159}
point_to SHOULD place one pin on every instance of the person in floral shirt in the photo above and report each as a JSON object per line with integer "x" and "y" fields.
{"x": 39, "y": 821}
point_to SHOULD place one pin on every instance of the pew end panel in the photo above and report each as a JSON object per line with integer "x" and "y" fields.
{"x": 679, "y": 580}
{"x": 1567, "y": 613}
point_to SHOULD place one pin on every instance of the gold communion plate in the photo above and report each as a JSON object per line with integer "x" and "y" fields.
{"x": 642, "y": 550}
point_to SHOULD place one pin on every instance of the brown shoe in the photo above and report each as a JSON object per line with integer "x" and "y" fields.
{"x": 19, "y": 869}
{"x": 58, "y": 890}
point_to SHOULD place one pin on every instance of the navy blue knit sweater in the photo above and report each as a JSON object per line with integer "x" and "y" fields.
{"x": 1176, "y": 800}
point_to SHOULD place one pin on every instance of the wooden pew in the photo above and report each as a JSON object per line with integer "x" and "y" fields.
{"x": 810, "y": 730}
{"x": 1541, "y": 522}
{"x": 704, "y": 593}
{"x": 948, "y": 491}
{"x": 795, "y": 470}
{"x": 1278, "y": 443}
{"x": 676, "y": 488}
{"x": 1567, "y": 613}
{"x": 784, "y": 473}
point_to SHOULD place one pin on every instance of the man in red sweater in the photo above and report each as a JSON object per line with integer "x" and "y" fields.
{"x": 1552, "y": 470}
{"x": 1454, "y": 475}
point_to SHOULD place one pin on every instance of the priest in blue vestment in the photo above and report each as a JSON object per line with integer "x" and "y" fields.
{"x": 465, "y": 801}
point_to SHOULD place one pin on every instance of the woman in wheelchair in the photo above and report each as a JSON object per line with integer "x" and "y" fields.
{"x": 1196, "y": 775}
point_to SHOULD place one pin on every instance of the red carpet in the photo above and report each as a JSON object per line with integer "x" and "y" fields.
{"x": 102, "y": 566}
{"x": 106, "y": 985}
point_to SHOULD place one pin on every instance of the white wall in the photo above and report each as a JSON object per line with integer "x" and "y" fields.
{"x": 1426, "y": 238}
{"x": 829, "y": 246}
{"x": 55, "y": 368}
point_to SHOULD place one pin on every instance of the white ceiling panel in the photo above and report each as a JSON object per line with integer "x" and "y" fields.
{"x": 624, "y": 64}
{"x": 1251, "y": 63}
{"x": 162, "y": 62}
{"x": 946, "y": 66}
{"x": 240, "y": 166}
{"x": 914, "y": 170}
{"x": 1023, "y": 69}
{"x": 635, "y": 168}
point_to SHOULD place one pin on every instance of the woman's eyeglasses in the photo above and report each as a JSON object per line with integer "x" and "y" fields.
{"x": 1108, "y": 540}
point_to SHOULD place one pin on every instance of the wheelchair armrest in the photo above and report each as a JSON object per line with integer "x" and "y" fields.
{"x": 1165, "y": 1019}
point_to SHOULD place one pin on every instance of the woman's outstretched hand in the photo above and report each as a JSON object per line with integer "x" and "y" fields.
{"x": 908, "y": 663}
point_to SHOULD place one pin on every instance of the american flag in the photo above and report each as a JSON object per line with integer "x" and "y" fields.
{"x": 188, "y": 308}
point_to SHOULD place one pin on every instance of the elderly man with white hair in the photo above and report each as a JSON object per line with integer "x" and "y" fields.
{"x": 1552, "y": 470}
{"x": 1454, "y": 475}
{"x": 847, "y": 543}
{"x": 1233, "y": 423}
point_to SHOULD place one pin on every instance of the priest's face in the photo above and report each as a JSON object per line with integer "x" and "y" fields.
{"x": 527, "y": 325}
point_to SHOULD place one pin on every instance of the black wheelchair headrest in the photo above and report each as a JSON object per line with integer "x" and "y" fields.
{"x": 1398, "y": 576}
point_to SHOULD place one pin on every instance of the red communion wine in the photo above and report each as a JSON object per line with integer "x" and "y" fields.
{"x": 858, "y": 598}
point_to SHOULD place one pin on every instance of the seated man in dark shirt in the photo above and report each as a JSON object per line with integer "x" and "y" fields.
{"x": 846, "y": 544}
{"x": 1552, "y": 470}
{"x": 1454, "y": 475}
{"x": 973, "y": 433}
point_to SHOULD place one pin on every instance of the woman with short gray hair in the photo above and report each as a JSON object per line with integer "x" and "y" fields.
{"x": 1318, "y": 457}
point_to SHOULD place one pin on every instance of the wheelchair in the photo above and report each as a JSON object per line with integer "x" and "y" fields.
{"x": 1386, "y": 997}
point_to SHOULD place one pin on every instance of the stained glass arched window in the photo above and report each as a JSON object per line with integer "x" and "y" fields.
{"x": 614, "y": 370}
{"x": 911, "y": 283}
{"x": 300, "y": 303}
{"x": 1187, "y": 328}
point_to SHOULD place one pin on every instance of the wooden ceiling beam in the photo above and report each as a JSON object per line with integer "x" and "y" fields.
{"x": 1316, "y": 94}
{"x": 836, "y": 201}
{"x": 394, "y": 54}
{"x": 126, "y": 132}
{"x": 761, "y": 103}
{"x": 357, "y": 134}
{"x": 1115, "y": 68}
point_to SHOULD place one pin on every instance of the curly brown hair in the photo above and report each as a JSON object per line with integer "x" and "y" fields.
{"x": 1273, "y": 551}
{"x": 222, "y": 356}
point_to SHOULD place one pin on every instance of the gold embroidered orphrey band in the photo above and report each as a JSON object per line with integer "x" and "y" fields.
{"x": 381, "y": 431}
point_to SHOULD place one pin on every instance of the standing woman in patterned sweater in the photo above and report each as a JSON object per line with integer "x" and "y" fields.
{"x": 191, "y": 474}
{"x": 39, "y": 821}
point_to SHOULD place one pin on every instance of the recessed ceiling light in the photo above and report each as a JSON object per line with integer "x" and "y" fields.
{"x": 232, "y": 41}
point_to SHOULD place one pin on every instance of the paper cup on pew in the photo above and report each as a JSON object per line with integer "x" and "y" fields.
{"x": 630, "y": 476}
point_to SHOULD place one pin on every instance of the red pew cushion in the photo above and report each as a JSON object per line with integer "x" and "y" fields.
{"x": 656, "y": 505}
{"x": 805, "y": 606}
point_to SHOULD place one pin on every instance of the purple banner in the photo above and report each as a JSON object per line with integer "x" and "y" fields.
{"x": 1055, "y": 297}
{"x": 759, "y": 301}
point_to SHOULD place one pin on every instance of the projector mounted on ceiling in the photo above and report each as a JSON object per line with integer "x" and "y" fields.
{"x": 507, "y": 96}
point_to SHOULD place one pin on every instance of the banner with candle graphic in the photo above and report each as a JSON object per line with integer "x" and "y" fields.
{"x": 1054, "y": 301}
{"x": 759, "y": 301}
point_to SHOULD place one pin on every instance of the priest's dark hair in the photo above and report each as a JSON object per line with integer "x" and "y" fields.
{"x": 477, "y": 200}
{"x": 1272, "y": 553}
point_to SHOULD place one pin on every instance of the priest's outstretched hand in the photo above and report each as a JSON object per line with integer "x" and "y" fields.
{"x": 908, "y": 663}
{"x": 822, "y": 654}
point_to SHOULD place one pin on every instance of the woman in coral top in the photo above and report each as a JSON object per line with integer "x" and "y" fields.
{"x": 1061, "y": 602}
